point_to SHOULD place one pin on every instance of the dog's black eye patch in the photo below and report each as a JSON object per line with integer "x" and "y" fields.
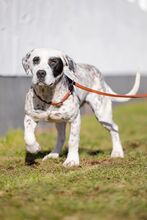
{"x": 56, "y": 65}
{"x": 36, "y": 60}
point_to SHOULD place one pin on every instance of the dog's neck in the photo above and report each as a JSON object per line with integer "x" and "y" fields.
{"x": 55, "y": 92}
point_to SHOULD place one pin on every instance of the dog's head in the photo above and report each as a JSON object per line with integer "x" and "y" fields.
{"x": 46, "y": 65}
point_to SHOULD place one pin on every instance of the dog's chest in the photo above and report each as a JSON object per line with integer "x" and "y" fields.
{"x": 66, "y": 112}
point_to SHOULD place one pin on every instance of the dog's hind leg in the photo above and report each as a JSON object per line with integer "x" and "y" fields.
{"x": 61, "y": 129}
{"x": 102, "y": 107}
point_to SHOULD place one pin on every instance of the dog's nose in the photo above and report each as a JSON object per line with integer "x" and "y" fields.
{"x": 41, "y": 74}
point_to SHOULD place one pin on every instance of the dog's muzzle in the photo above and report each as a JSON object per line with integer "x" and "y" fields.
{"x": 41, "y": 75}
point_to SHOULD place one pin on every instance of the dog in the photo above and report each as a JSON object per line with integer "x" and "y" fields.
{"x": 53, "y": 73}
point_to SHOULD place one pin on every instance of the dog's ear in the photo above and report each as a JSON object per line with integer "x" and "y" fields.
{"x": 70, "y": 68}
{"x": 70, "y": 63}
{"x": 26, "y": 63}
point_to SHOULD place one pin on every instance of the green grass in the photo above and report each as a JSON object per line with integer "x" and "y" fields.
{"x": 101, "y": 188}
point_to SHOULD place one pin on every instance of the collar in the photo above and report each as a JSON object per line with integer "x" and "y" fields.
{"x": 57, "y": 104}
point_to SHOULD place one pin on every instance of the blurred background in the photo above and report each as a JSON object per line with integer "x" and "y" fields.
{"x": 112, "y": 35}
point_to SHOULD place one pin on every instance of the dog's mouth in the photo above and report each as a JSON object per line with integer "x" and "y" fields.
{"x": 40, "y": 83}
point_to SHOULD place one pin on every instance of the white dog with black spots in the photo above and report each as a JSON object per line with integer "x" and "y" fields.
{"x": 53, "y": 73}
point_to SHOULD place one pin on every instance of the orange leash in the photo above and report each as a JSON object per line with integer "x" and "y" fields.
{"x": 109, "y": 94}
{"x": 65, "y": 97}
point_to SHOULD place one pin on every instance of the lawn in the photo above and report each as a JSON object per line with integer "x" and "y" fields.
{"x": 101, "y": 188}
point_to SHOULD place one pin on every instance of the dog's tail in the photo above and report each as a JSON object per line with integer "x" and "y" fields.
{"x": 133, "y": 91}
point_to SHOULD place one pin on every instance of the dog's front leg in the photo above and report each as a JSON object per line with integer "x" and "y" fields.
{"x": 32, "y": 147}
{"x": 73, "y": 144}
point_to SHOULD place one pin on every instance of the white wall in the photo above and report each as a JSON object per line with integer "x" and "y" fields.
{"x": 111, "y": 34}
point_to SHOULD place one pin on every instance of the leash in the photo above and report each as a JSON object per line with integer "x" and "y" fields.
{"x": 73, "y": 83}
{"x": 108, "y": 94}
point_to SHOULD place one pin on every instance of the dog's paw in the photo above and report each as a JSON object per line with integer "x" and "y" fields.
{"x": 35, "y": 148}
{"x": 71, "y": 162}
{"x": 51, "y": 155}
{"x": 116, "y": 154}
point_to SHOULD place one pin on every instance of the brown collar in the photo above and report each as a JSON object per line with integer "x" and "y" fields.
{"x": 57, "y": 104}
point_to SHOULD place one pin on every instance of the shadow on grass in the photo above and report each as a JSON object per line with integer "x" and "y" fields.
{"x": 30, "y": 158}
{"x": 84, "y": 151}
{"x": 91, "y": 152}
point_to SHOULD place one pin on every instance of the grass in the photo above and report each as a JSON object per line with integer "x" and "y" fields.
{"x": 101, "y": 188}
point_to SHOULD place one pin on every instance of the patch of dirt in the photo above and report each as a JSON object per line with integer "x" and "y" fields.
{"x": 2, "y": 193}
{"x": 134, "y": 144}
{"x": 95, "y": 162}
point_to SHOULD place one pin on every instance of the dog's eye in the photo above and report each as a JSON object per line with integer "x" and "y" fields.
{"x": 56, "y": 65}
{"x": 52, "y": 61}
{"x": 36, "y": 60}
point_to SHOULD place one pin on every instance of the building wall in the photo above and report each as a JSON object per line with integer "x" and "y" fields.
{"x": 109, "y": 34}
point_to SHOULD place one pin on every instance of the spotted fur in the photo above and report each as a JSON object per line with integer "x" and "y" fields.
{"x": 53, "y": 88}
